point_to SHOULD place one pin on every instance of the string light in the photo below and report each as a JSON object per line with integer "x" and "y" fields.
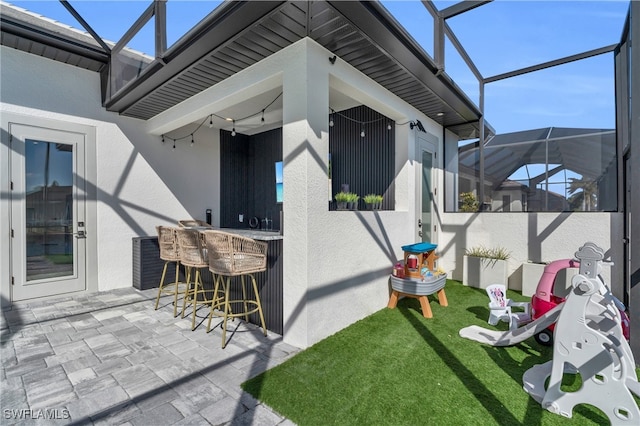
{"x": 361, "y": 123}
{"x": 261, "y": 112}
{"x": 210, "y": 117}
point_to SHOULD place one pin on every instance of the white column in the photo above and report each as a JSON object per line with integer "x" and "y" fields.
{"x": 305, "y": 150}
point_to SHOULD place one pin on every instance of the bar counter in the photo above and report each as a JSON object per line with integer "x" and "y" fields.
{"x": 147, "y": 270}
{"x": 255, "y": 234}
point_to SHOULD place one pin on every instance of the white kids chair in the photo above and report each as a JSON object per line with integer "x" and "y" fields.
{"x": 500, "y": 308}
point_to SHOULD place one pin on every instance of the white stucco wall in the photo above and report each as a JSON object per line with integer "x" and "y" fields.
{"x": 140, "y": 182}
{"x": 336, "y": 263}
{"x": 344, "y": 257}
{"x": 532, "y": 237}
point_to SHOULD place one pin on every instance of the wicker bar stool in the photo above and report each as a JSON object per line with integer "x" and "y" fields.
{"x": 193, "y": 255}
{"x": 170, "y": 252}
{"x": 232, "y": 255}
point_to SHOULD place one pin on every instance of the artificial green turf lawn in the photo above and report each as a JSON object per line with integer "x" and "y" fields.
{"x": 397, "y": 368}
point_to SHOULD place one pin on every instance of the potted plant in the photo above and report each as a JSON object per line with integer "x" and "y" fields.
{"x": 352, "y": 201}
{"x": 342, "y": 198}
{"x": 483, "y": 266}
{"x": 373, "y": 201}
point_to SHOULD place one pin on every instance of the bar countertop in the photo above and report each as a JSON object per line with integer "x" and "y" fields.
{"x": 256, "y": 234}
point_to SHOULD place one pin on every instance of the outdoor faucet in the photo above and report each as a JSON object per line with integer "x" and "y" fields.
{"x": 267, "y": 224}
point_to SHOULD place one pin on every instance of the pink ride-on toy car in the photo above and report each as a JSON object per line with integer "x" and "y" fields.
{"x": 548, "y": 295}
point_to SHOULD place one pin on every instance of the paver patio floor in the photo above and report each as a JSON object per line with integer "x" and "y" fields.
{"x": 110, "y": 358}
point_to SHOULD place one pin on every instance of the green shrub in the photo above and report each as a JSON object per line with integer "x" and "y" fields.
{"x": 372, "y": 198}
{"x": 342, "y": 197}
{"x": 352, "y": 198}
{"x": 469, "y": 202}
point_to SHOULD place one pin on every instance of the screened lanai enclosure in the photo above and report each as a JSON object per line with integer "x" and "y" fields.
{"x": 548, "y": 140}
{"x": 542, "y": 170}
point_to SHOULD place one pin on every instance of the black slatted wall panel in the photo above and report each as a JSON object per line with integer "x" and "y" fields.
{"x": 235, "y": 179}
{"x": 267, "y": 150}
{"x": 366, "y": 163}
{"x": 247, "y": 165}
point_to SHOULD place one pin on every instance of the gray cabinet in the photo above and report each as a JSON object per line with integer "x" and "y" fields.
{"x": 147, "y": 265}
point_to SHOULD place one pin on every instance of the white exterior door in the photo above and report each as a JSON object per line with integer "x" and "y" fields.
{"x": 47, "y": 213}
{"x": 426, "y": 156}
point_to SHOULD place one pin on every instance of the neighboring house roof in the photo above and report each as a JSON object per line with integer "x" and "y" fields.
{"x": 574, "y": 149}
{"x": 238, "y": 34}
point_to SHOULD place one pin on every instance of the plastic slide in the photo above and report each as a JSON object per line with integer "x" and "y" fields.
{"x": 511, "y": 337}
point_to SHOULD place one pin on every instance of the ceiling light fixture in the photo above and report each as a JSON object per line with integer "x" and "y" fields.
{"x": 210, "y": 121}
{"x": 233, "y": 131}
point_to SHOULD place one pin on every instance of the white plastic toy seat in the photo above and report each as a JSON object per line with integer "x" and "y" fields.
{"x": 500, "y": 308}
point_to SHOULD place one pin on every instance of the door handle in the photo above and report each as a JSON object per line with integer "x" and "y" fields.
{"x": 420, "y": 234}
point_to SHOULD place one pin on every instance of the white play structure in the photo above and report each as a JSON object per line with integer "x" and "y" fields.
{"x": 588, "y": 340}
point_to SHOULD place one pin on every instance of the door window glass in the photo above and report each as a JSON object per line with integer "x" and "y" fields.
{"x": 49, "y": 209}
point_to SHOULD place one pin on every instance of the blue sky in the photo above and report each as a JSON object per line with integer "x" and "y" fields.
{"x": 499, "y": 37}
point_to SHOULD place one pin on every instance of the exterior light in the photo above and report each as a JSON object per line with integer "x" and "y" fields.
{"x": 362, "y": 133}
{"x": 210, "y": 122}
{"x": 417, "y": 124}
{"x": 233, "y": 131}
{"x": 191, "y": 139}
